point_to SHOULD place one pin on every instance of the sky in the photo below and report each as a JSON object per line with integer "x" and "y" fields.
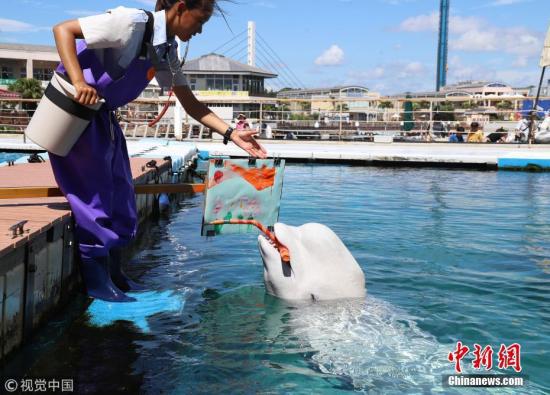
{"x": 388, "y": 46}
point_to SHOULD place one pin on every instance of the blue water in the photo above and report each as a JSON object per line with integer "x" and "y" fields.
{"x": 447, "y": 256}
{"x": 7, "y": 156}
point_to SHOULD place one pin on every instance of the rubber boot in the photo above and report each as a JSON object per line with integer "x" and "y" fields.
{"x": 95, "y": 273}
{"x": 121, "y": 279}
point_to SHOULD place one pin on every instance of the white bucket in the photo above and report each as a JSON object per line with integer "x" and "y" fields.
{"x": 59, "y": 121}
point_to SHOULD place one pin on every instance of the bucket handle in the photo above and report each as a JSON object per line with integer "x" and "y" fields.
{"x": 69, "y": 105}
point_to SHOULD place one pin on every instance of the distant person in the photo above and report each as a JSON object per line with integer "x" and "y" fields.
{"x": 543, "y": 134}
{"x": 498, "y": 136}
{"x": 545, "y": 125}
{"x": 476, "y": 134}
{"x": 242, "y": 123}
{"x": 522, "y": 131}
{"x": 290, "y": 136}
{"x": 457, "y": 136}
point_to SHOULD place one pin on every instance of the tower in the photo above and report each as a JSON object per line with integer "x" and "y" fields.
{"x": 251, "y": 43}
{"x": 442, "y": 47}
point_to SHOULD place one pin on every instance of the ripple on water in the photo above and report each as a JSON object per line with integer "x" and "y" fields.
{"x": 448, "y": 256}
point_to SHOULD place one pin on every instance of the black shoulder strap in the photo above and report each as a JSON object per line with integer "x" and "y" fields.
{"x": 148, "y": 35}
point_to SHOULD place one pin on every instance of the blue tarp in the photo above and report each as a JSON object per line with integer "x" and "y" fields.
{"x": 528, "y": 106}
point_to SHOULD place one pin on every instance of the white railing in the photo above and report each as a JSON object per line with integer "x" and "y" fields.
{"x": 330, "y": 120}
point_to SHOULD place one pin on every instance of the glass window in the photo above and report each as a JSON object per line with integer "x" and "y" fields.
{"x": 7, "y": 72}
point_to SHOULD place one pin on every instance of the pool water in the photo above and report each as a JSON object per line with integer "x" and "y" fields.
{"x": 7, "y": 156}
{"x": 448, "y": 256}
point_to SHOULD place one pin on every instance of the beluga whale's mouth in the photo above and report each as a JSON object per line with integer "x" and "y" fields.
{"x": 321, "y": 268}
{"x": 267, "y": 234}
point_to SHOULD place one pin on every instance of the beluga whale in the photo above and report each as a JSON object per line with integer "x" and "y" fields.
{"x": 320, "y": 268}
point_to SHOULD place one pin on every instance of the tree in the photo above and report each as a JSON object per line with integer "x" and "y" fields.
{"x": 444, "y": 112}
{"x": 341, "y": 107}
{"x": 385, "y": 104}
{"x": 28, "y": 87}
{"x": 467, "y": 105}
{"x": 504, "y": 105}
{"x": 445, "y": 106}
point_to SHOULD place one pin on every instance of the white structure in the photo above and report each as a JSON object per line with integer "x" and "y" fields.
{"x": 252, "y": 44}
{"x": 27, "y": 61}
{"x": 358, "y": 101}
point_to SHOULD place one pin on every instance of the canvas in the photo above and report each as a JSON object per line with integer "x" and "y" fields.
{"x": 241, "y": 189}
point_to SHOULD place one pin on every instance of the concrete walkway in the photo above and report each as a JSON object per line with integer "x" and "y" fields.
{"x": 439, "y": 154}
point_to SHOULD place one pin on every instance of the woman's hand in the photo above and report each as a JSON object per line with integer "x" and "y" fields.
{"x": 245, "y": 140}
{"x": 85, "y": 94}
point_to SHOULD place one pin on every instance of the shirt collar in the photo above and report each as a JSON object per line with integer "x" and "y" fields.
{"x": 159, "y": 31}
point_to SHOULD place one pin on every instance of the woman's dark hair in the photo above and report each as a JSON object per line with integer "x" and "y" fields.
{"x": 206, "y": 5}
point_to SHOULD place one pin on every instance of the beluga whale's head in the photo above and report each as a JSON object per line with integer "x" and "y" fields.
{"x": 320, "y": 268}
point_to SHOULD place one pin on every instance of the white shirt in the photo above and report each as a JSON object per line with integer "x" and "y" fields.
{"x": 116, "y": 38}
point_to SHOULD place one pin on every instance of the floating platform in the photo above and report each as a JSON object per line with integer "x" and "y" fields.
{"x": 521, "y": 163}
{"x": 465, "y": 155}
{"x": 37, "y": 251}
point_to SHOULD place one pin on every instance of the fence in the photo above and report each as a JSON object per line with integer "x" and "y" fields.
{"x": 344, "y": 119}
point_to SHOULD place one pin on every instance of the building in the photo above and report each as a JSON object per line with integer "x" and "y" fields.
{"x": 357, "y": 101}
{"x": 485, "y": 94}
{"x": 215, "y": 79}
{"x": 215, "y": 72}
{"x": 226, "y": 86}
{"x": 490, "y": 92}
{"x": 26, "y": 61}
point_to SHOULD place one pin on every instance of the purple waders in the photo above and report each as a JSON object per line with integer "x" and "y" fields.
{"x": 96, "y": 178}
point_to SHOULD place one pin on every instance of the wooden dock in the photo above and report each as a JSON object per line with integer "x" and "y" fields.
{"x": 37, "y": 251}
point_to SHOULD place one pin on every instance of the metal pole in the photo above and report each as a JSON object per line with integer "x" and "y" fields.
{"x": 534, "y": 110}
{"x": 340, "y": 132}
{"x": 178, "y": 109}
{"x": 442, "y": 49}
{"x": 261, "y": 118}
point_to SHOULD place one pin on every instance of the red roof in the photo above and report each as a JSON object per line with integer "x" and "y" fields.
{"x": 5, "y": 94}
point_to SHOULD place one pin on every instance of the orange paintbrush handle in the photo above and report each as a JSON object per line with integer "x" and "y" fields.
{"x": 283, "y": 251}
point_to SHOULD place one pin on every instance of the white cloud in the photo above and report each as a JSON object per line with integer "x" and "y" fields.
{"x": 458, "y": 71}
{"x": 517, "y": 77}
{"x": 420, "y": 23}
{"x": 460, "y": 24}
{"x": 521, "y": 61}
{"x": 393, "y": 77}
{"x": 475, "y": 41}
{"x": 473, "y": 34}
{"x": 517, "y": 41}
{"x": 414, "y": 68}
{"x": 331, "y": 57}
{"x": 498, "y": 3}
{"x": 430, "y": 23}
{"x": 11, "y": 25}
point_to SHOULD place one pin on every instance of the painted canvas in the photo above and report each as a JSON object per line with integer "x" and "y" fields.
{"x": 241, "y": 189}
